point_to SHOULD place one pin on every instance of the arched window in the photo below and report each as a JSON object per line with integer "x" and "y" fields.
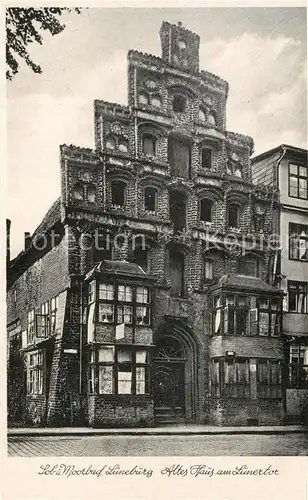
{"x": 156, "y": 101}
{"x": 123, "y": 146}
{"x": 202, "y": 116}
{"x": 118, "y": 189}
{"x": 149, "y": 144}
{"x": 91, "y": 191}
{"x": 143, "y": 99}
{"x": 179, "y": 103}
{"x": 234, "y": 215}
{"x": 211, "y": 119}
{"x": 110, "y": 142}
{"x": 206, "y": 210}
{"x": 79, "y": 192}
{"x": 150, "y": 199}
{"x": 237, "y": 170}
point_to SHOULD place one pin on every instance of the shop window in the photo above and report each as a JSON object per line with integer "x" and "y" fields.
{"x": 35, "y": 372}
{"x": 230, "y": 378}
{"x": 234, "y": 215}
{"x": 298, "y": 242}
{"x": 298, "y": 367}
{"x": 298, "y": 181}
{"x": 206, "y": 158}
{"x": 176, "y": 264}
{"x": 298, "y": 292}
{"x": 179, "y": 104}
{"x": 79, "y": 192}
{"x": 206, "y": 207}
{"x": 121, "y": 370}
{"x": 110, "y": 142}
{"x": 150, "y": 199}
{"x": 149, "y": 144}
{"x": 178, "y": 210}
{"x": 118, "y": 191}
{"x": 269, "y": 379}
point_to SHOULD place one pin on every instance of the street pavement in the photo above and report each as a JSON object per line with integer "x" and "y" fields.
{"x": 279, "y": 444}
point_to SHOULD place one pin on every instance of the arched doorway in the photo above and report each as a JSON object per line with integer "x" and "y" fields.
{"x": 173, "y": 379}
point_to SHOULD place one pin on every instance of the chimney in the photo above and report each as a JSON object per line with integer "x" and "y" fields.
{"x": 27, "y": 240}
{"x": 8, "y": 241}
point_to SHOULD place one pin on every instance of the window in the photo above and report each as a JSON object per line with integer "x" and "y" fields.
{"x": 202, "y": 116}
{"x": 178, "y": 210}
{"x": 176, "y": 266}
{"x": 179, "y": 104}
{"x": 125, "y": 293}
{"x": 269, "y": 379}
{"x": 142, "y": 311}
{"x": 150, "y": 199}
{"x": 211, "y": 119}
{"x": 79, "y": 192}
{"x": 110, "y": 142}
{"x": 206, "y": 210}
{"x": 298, "y": 366}
{"x": 105, "y": 291}
{"x": 297, "y": 291}
{"x": 234, "y": 168}
{"x": 230, "y": 378}
{"x": 53, "y": 312}
{"x": 91, "y": 292}
{"x": 246, "y": 315}
{"x": 35, "y": 372}
{"x": 156, "y": 101}
{"x": 143, "y": 99}
{"x": 42, "y": 321}
{"x": 237, "y": 170}
{"x": 140, "y": 257}
{"x": 121, "y": 370}
{"x": 208, "y": 269}
{"x": 105, "y": 313}
{"x": 233, "y": 215}
{"x": 91, "y": 192}
{"x": 149, "y": 144}
{"x": 123, "y": 146}
{"x": 298, "y": 242}
{"x": 31, "y": 318}
{"x": 102, "y": 247}
{"x": 298, "y": 180}
{"x": 124, "y": 315}
{"x": 248, "y": 266}
{"x": 118, "y": 193}
{"x": 206, "y": 158}
{"x": 179, "y": 158}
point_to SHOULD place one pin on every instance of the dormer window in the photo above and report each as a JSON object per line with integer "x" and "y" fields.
{"x": 149, "y": 144}
{"x": 150, "y": 199}
{"x": 206, "y": 210}
{"x": 118, "y": 189}
{"x": 110, "y": 142}
{"x": 179, "y": 103}
{"x": 206, "y": 158}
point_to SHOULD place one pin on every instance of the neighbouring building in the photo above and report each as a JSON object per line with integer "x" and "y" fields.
{"x": 147, "y": 292}
{"x": 285, "y": 168}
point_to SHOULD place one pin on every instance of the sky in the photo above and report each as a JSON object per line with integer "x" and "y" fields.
{"x": 261, "y": 52}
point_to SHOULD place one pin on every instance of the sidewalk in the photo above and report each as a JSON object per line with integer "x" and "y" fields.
{"x": 155, "y": 431}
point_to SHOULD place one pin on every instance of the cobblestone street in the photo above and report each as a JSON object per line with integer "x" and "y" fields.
{"x": 195, "y": 445}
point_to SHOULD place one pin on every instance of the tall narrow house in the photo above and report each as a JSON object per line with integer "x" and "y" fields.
{"x": 146, "y": 294}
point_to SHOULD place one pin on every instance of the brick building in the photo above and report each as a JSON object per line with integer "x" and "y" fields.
{"x": 285, "y": 168}
{"x": 146, "y": 294}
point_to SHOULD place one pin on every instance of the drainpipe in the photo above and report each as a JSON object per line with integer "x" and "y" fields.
{"x": 284, "y": 151}
{"x": 81, "y": 350}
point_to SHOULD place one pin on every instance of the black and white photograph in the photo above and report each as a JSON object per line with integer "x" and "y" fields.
{"x": 157, "y": 235}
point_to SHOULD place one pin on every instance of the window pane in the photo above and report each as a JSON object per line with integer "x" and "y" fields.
{"x": 293, "y": 181}
{"x": 263, "y": 323}
{"x": 293, "y": 191}
{"x": 106, "y": 292}
{"x": 124, "y": 381}
{"x": 142, "y": 294}
{"x": 141, "y": 356}
{"x": 124, "y": 356}
{"x": 106, "y": 313}
{"x": 110, "y": 143}
{"x": 125, "y": 315}
{"x": 140, "y": 380}
{"x": 105, "y": 380}
{"x": 303, "y": 171}
{"x": 149, "y": 145}
{"x": 142, "y": 316}
{"x": 208, "y": 269}
{"x": 106, "y": 354}
{"x": 156, "y": 101}
{"x": 125, "y": 293}
{"x": 293, "y": 169}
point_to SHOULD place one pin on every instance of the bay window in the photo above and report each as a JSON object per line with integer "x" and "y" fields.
{"x": 119, "y": 370}
{"x": 235, "y": 314}
{"x": 269, "y": 379}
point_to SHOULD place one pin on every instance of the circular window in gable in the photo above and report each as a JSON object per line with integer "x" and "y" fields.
{"x": 179, "y": 104}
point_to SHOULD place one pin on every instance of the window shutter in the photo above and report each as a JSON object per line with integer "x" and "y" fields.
{"x": 24, "y": 338}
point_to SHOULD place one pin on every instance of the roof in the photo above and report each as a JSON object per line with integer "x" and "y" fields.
{"x": 277, "y": 149}
{"x": 245, "y": 282}
{"x": 52, "y": 216}
{"x": 118, "y": 267}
